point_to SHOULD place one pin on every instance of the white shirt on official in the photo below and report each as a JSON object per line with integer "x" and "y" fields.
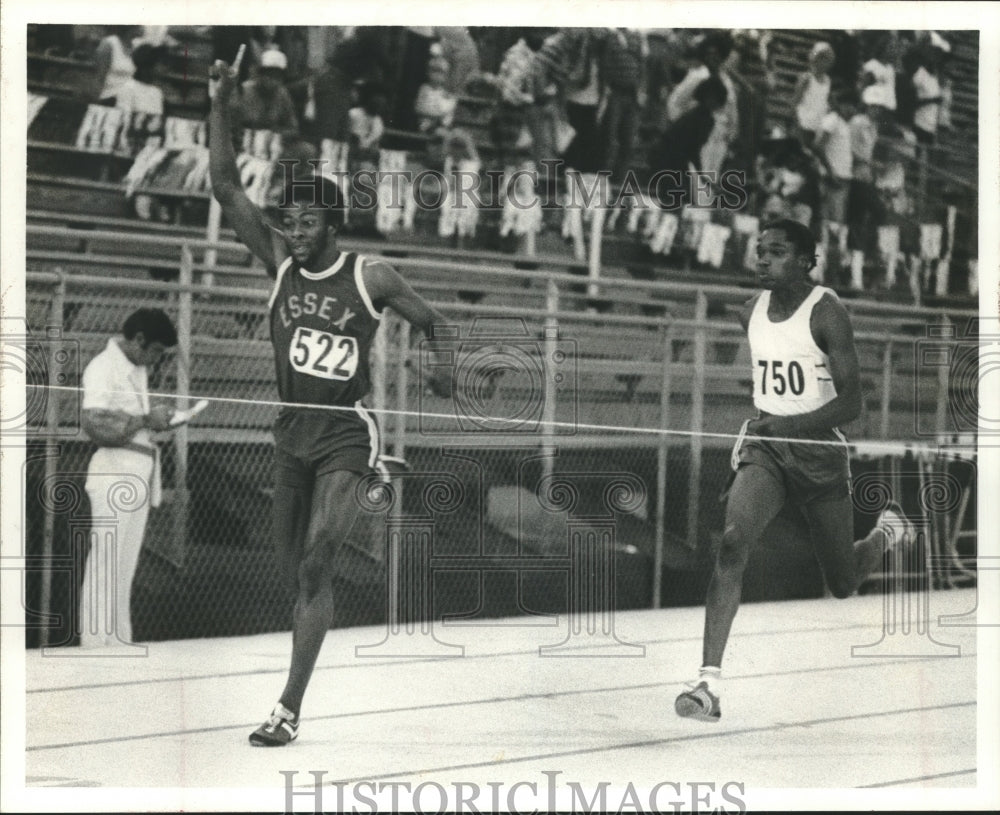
{"x": 791, "y": 373}
{"x": 112, "y": 382}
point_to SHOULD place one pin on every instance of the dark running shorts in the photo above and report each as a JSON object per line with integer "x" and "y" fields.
{"x": 809, "y": 472}
{"x": 311, "y": 443}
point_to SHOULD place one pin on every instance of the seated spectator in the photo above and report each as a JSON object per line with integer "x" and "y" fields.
{"x": 812, "y": 92}
{"x": 435, "y": 104}
{"x": 680, "y": 146}
{"x": 140, "y": 93}
{"x": 365, "y": 125}
{"x": 113, "y": 63}
{"x": 264, "y": 103}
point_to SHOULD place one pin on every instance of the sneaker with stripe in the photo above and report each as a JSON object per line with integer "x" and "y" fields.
{"x": 281, "y": 727}
{"x": 896, "y": 526}
{"x": 698, "y": 703}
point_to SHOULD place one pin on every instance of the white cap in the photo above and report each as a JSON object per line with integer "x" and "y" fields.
{"x": 820, "y": 47}
{"x": 940, "y": 42}
{"x": 273, "y": 58}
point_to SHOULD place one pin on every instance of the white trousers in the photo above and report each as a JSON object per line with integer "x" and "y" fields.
{"x": 119, "y": 508}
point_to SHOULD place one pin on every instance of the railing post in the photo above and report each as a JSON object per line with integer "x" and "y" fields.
{"x": 380, "y": 375}
{"x": 886, "y": 387}
{"x": 549, "y": 405}
{"x": 944, "y": 383}
{"x": 661, "y": 466}
{"x": 697, "y": 420}
{"x": 52, "y": 430}
{"x": 212, "y": 234}
{"x": 184, "y": 318}
{"x": 402, "y": 383}
{"x": 597, "y": 215}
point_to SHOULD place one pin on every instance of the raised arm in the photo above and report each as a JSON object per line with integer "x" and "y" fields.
{"x": 240, "y": 211}
{"x": 387, "y": 288}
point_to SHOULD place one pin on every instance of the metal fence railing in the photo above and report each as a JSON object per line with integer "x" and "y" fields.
{"x": 611, "y": 427}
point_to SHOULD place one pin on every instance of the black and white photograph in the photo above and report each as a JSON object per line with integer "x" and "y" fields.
{"x": 579, "y": 406}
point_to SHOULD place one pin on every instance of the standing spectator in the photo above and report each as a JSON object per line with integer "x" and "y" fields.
{"x": 623, "y": 94}
{"x": 331, "y": 93}
{"x": 878, "y": 76}
{"x": 435, "y": 104}
{"x": 551, "y": 68}
{"x": 515, "y": 82}
{"x": 117, "y": 416}
{"x": 711, "y": 55}
{"x": 462, "y": 55}
{"x": 864, "y": 210}
{"x": 264, "y": 103}
{"x": 927, "y": 89}
{"x": 113, "y": 63}
{"x": 680, "y": 147}
{"x": 812, "y": 92}
{"x": 583, "y": 96}
{"x": 833, "y": 144}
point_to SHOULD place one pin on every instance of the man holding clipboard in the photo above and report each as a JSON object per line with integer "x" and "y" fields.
{"x": 123, "y": 477}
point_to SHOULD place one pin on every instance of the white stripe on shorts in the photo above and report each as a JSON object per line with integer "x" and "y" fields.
{"x": 373, "y": 438}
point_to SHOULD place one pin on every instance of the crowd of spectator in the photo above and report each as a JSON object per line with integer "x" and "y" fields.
{"x": 866, "y": 110}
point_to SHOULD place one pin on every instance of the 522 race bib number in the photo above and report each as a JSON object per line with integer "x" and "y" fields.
{"x": 319, "y": 353}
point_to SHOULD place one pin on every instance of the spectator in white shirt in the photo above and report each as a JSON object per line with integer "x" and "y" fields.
{"x": 878, "y": 76}
{"x": 928, "y": 90}
{"x": 812, "y": 92}
{"x": 833, "y": 145}
{"x": 123, "y": 474}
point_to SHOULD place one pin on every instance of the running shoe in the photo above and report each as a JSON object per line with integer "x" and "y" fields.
{"x": 281, "y": 727}
{"x": 698, "y": 703}
{"x": 898, "y": 530}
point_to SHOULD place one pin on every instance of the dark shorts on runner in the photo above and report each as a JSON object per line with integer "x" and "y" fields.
{"x": 809, "y": 472}
{"x": 310, "y": 443}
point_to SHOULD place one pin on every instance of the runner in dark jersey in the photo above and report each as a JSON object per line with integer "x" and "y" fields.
{"x": 324, "y": 311}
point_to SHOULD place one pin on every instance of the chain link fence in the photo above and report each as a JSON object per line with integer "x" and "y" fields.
{"x": 543, "y": 486}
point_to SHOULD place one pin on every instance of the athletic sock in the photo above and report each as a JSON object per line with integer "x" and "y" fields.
{"x": 712, "y": 677}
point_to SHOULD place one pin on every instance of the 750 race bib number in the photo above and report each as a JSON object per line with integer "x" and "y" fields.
{"x": 785, "y": 378}
{"x": 319, "y": 353}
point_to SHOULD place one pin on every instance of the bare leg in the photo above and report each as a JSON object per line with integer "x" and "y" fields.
{"x": 333, "y": 514}
{"x": 846, "y": 562}
{"x": 754, "y": 499}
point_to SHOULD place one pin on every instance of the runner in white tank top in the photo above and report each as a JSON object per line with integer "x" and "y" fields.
{"x": 806, "y": 384}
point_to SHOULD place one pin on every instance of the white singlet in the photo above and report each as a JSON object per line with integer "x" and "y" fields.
{"x": 790, "y": 373}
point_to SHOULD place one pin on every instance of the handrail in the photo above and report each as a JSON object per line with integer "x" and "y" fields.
{"x": 477, "y": 270}
{"x": 568, "y": 317}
